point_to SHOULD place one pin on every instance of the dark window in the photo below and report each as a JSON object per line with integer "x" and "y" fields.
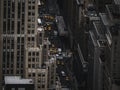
{"x": 33, "y": 7}
{"x": 4, "y": 27}
{"x": 29, "y": 54}
{"x": 29, "y": 7}
{"x": 33, "y": 53}
{"x": 18, "y": 40}
{"x": 33, "y": 74}
{"x": 13, "y": 7}
{"x": 32, "y": 38}
{"x": 29, "y": 13}
{"x": 43, "y": 86}
{"x": 37, "y": 54}
{"x": 4, "y": 12}
{"x": 18, "y": 26}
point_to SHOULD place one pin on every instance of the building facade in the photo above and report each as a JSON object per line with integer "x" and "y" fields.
{"x": 18, "y": 25}
{"x": 24, "y": 49}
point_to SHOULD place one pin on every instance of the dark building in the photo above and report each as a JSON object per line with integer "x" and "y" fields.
{"x": 111, "y": 20}
{"x": 103, "y": 51}
{"x": 96, "y": 46}
{"x": 100, "y": 4}
{"x": 98, "y": 37}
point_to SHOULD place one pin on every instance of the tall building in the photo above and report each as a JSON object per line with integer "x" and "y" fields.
{"x": 24, "y": 47}
{"x": 100, "y": 50}
{"x": 103, "y": 51}
{"x": 96, "y": 49}
{"x": 18, "y": 29}
{"x": 111, "y": 20}
{"x": 100, "y": 4}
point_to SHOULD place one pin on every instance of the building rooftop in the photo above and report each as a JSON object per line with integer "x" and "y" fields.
{"x": 80, "y": 2}
{"x": 117, "y": 2}
{"x": 99, "y": 30}
{"x": 113, "y": 11}
{"x": 105, "y": 19}
{"x": 115, "y": 29}
{"x": 17, "y": 80}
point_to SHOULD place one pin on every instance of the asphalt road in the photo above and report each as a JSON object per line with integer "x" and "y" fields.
{"x": 62, "y": 71}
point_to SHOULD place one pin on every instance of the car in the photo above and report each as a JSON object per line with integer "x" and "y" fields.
{"x": 62, "y": 62}
{"x": 63, "y": 73}
{"x": 59, "y": 57}
{"x": 59, "y": 49}
{"x": 53, "y": 50}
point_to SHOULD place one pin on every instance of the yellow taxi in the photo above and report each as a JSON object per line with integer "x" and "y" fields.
{"x": 58, "y": 62}
{"x": 67, "y": 78}
{"x": 53, "y": 50}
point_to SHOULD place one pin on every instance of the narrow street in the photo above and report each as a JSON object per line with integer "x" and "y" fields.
{"x": 48, "y": 11}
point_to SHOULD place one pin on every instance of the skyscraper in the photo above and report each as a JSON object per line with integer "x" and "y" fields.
{"x": 18, "y": 23}
{"x": 24, "y": 47}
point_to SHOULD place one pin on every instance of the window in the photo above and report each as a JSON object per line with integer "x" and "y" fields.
{"x": 23, "y": 0}
{"x": 29, "y": 54}
{"x": 4, "y": 27}
{"x": 11, "y": 71}
{"x": 29, "y": 59}
{"x": 28, "y": 31}
{"x": 13, "y": 7}
{"x": 37, "y": 65}
{"x": 29, "y": 13}
{"x": 21, "y": 88}
{"x": 39, "y": 75}
{"x": 18, "y": 26}
{"x": 12, "y": 27}
{"x": 32, "y": 38}
{"x": 33, "y": 25}
{"x": 4, "y": 12}
{"x": 37, "y": 59}
{"x": 29, "y": 0}
{"x": 37, "y": 53}
{"x": 43, "y": 86}
{"x": 29, "y": 75}
{"x": 29, "y": 25}
{"x": 32, "y": 31}
{"x": 29, "y": 19}
{"x": 33, "y": 13}
{"x": 13, "y": 15}
{"x": 33, "y": 1}
{"x": 11, "y": 65}
{"x": 29, "y": 7}
{"x": 21, "y": 65}
{"x": 33, "y": 74}
{"x": 17, "y": 71}
{"x": 33, "y": 59}
{"x": 29, "y": 65}
{"x": 13, "y": 89}
{"x": 33, "y": 65}
{"x": 23, "y": 8}
{"x": 18, "y": 66}
{"x": 22, "y": 40}
{"x": 33, "y": 19}
{"x": 21, "y": 71}
{"x": 19, "y": 1}
{"x": 28, "y": 38}
{"x": 38, "y": 80}
{"x": 33, "y": 7}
